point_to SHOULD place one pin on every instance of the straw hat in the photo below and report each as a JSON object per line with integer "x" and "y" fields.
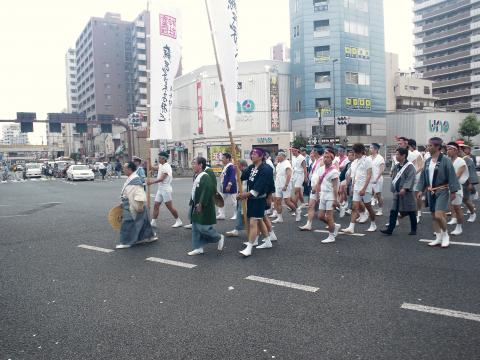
{"x": 115, "y": 217}
{"x": 219, "y": 200}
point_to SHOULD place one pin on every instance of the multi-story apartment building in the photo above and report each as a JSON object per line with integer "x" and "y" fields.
{"x": 447, "y": 50}
{"x": 138, "y": 81}
{"x": 103, "y": 51}
{"x": 71, "y": 139}
{"x": 11, "y": 135}
{"x": 338, "y": 68}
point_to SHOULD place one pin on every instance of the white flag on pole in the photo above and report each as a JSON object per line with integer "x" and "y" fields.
{"x": 165, "y": 55}
{"x": 223, "y": 14}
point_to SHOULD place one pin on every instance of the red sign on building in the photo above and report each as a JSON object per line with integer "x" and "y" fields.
{"x": 199, "y": 107}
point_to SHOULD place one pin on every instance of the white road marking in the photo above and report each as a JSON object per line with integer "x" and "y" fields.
{"x": 440, "y": 311}
{"x": 69, "y": 183}
{"x": 452, "y": 242}
{"x": 340, "y": 233}
{"x": 9, "y": 216}
{"x": 50, "y": 203}
{"x": 171, "y": 262}
{"x": 282, "y": 283}
{"x": 95, "y": 248}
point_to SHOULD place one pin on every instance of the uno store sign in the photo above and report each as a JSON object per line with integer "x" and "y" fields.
{"x": 246, "y": 106}
{"x": 438, "y": 126}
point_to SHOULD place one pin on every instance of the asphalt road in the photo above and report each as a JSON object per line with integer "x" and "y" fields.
{"x": 61, "y": 301}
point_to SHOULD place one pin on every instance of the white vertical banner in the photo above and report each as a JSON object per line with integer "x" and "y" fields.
{"x": 224, "y": 19}
{"x": 165, "y": 55}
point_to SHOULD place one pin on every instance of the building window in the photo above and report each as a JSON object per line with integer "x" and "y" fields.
{"x": 296, "y": 31}
{"x": 296, "y": 59}
{"x": 361, "y": 5}
{"x": 426, "y": 90}
{"x": 322, "y": 104}
{"x": 298, "y": 81}
{"x": 358, "y": 130}
{"x": 321, "y": 28}
{"x": 320, "y": 5}
{"x": 296, "y": 5}
{"x": 353, "y": 27}
{"x": 321, "y": 53}
{"x": 355, "y": 78}
{"x": 298, "y": 106}
{"x": 322, "y": 80}
{"x": 107, "y": 75}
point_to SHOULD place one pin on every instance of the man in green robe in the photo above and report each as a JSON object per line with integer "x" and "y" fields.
{"x": 202, "y": 209}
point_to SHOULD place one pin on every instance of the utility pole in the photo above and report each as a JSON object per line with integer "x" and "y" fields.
{"x": 334, "y": 102}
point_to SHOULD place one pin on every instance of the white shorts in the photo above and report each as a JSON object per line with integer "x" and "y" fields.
{"x": 378, "y": 187}
{"x": 163, "y": 196}
{"x": 365, "y": 198}
{"x": 313, "y": 196}
{"x": 325, "y": 204}
{"x": 458, "y": 198}
{"x": 297, "y": 181}
{"x": 283, "y": 194}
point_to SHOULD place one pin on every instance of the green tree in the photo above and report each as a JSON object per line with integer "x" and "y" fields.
{"x": 469, "y": 127}
{"x": 300, "y": 141}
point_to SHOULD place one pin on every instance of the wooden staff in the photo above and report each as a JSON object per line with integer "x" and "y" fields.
{"x": 233, "y": 148}
{"x": 149, "y": 111}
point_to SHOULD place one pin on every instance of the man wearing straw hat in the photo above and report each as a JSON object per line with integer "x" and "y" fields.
{"x": 164, "y": 191}
{"x": 440, "y": 182}
{"x": 135, "y": 227}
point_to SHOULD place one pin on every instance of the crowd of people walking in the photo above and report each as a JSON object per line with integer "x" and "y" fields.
{"x": 330, "y": 182}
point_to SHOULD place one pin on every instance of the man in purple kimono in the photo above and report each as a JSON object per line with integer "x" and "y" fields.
{"x": 228, "y": 183}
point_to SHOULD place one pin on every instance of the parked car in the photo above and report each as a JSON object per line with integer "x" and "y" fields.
{"x": 476, "y": 153}
{"x": 33, "y": 170}
{"x": 80, "y": 172}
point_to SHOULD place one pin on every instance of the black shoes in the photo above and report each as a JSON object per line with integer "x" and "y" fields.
{"x": 412, "y": 233}
{"x": 386, "y": 232}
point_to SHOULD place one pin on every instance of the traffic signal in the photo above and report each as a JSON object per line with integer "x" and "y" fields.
{"x": 81, "y": 128}
{"x": 26, "y": 120}
{"x": 106, "y": 128}
{"x": 55, "y": 127}
{"x": 342, "y": 120}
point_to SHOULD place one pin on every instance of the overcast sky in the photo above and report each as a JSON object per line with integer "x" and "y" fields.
{"x": 35, "y": 35}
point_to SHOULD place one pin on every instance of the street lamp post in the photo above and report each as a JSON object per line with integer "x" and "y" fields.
{"x": 334, "y": 101}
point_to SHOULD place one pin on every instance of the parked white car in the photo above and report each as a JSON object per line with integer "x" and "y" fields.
{"x": 80, "y": 172}
{"x": 33, "y": 170}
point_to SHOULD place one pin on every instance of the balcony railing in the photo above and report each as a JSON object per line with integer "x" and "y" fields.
{"x": 452, "y": 82}
{"x": 445, "y": 71}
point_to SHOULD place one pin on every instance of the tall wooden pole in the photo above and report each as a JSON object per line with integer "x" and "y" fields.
{"x": 233, "y": 148}
{"x": 149, "y": 111}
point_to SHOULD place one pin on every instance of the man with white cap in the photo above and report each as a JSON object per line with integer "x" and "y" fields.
{"x": 164, "y": 191}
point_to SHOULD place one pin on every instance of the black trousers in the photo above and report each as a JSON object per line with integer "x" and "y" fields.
{"x": 394, "y": 216}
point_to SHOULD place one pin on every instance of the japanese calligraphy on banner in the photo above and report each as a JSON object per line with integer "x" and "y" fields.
{"x": 199, "y": 108}
{"x": 274, "y": 109}
{"x": 224, "y": 18}
{"x": 358, "y": 103}
{"x": 165, "y": 55}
